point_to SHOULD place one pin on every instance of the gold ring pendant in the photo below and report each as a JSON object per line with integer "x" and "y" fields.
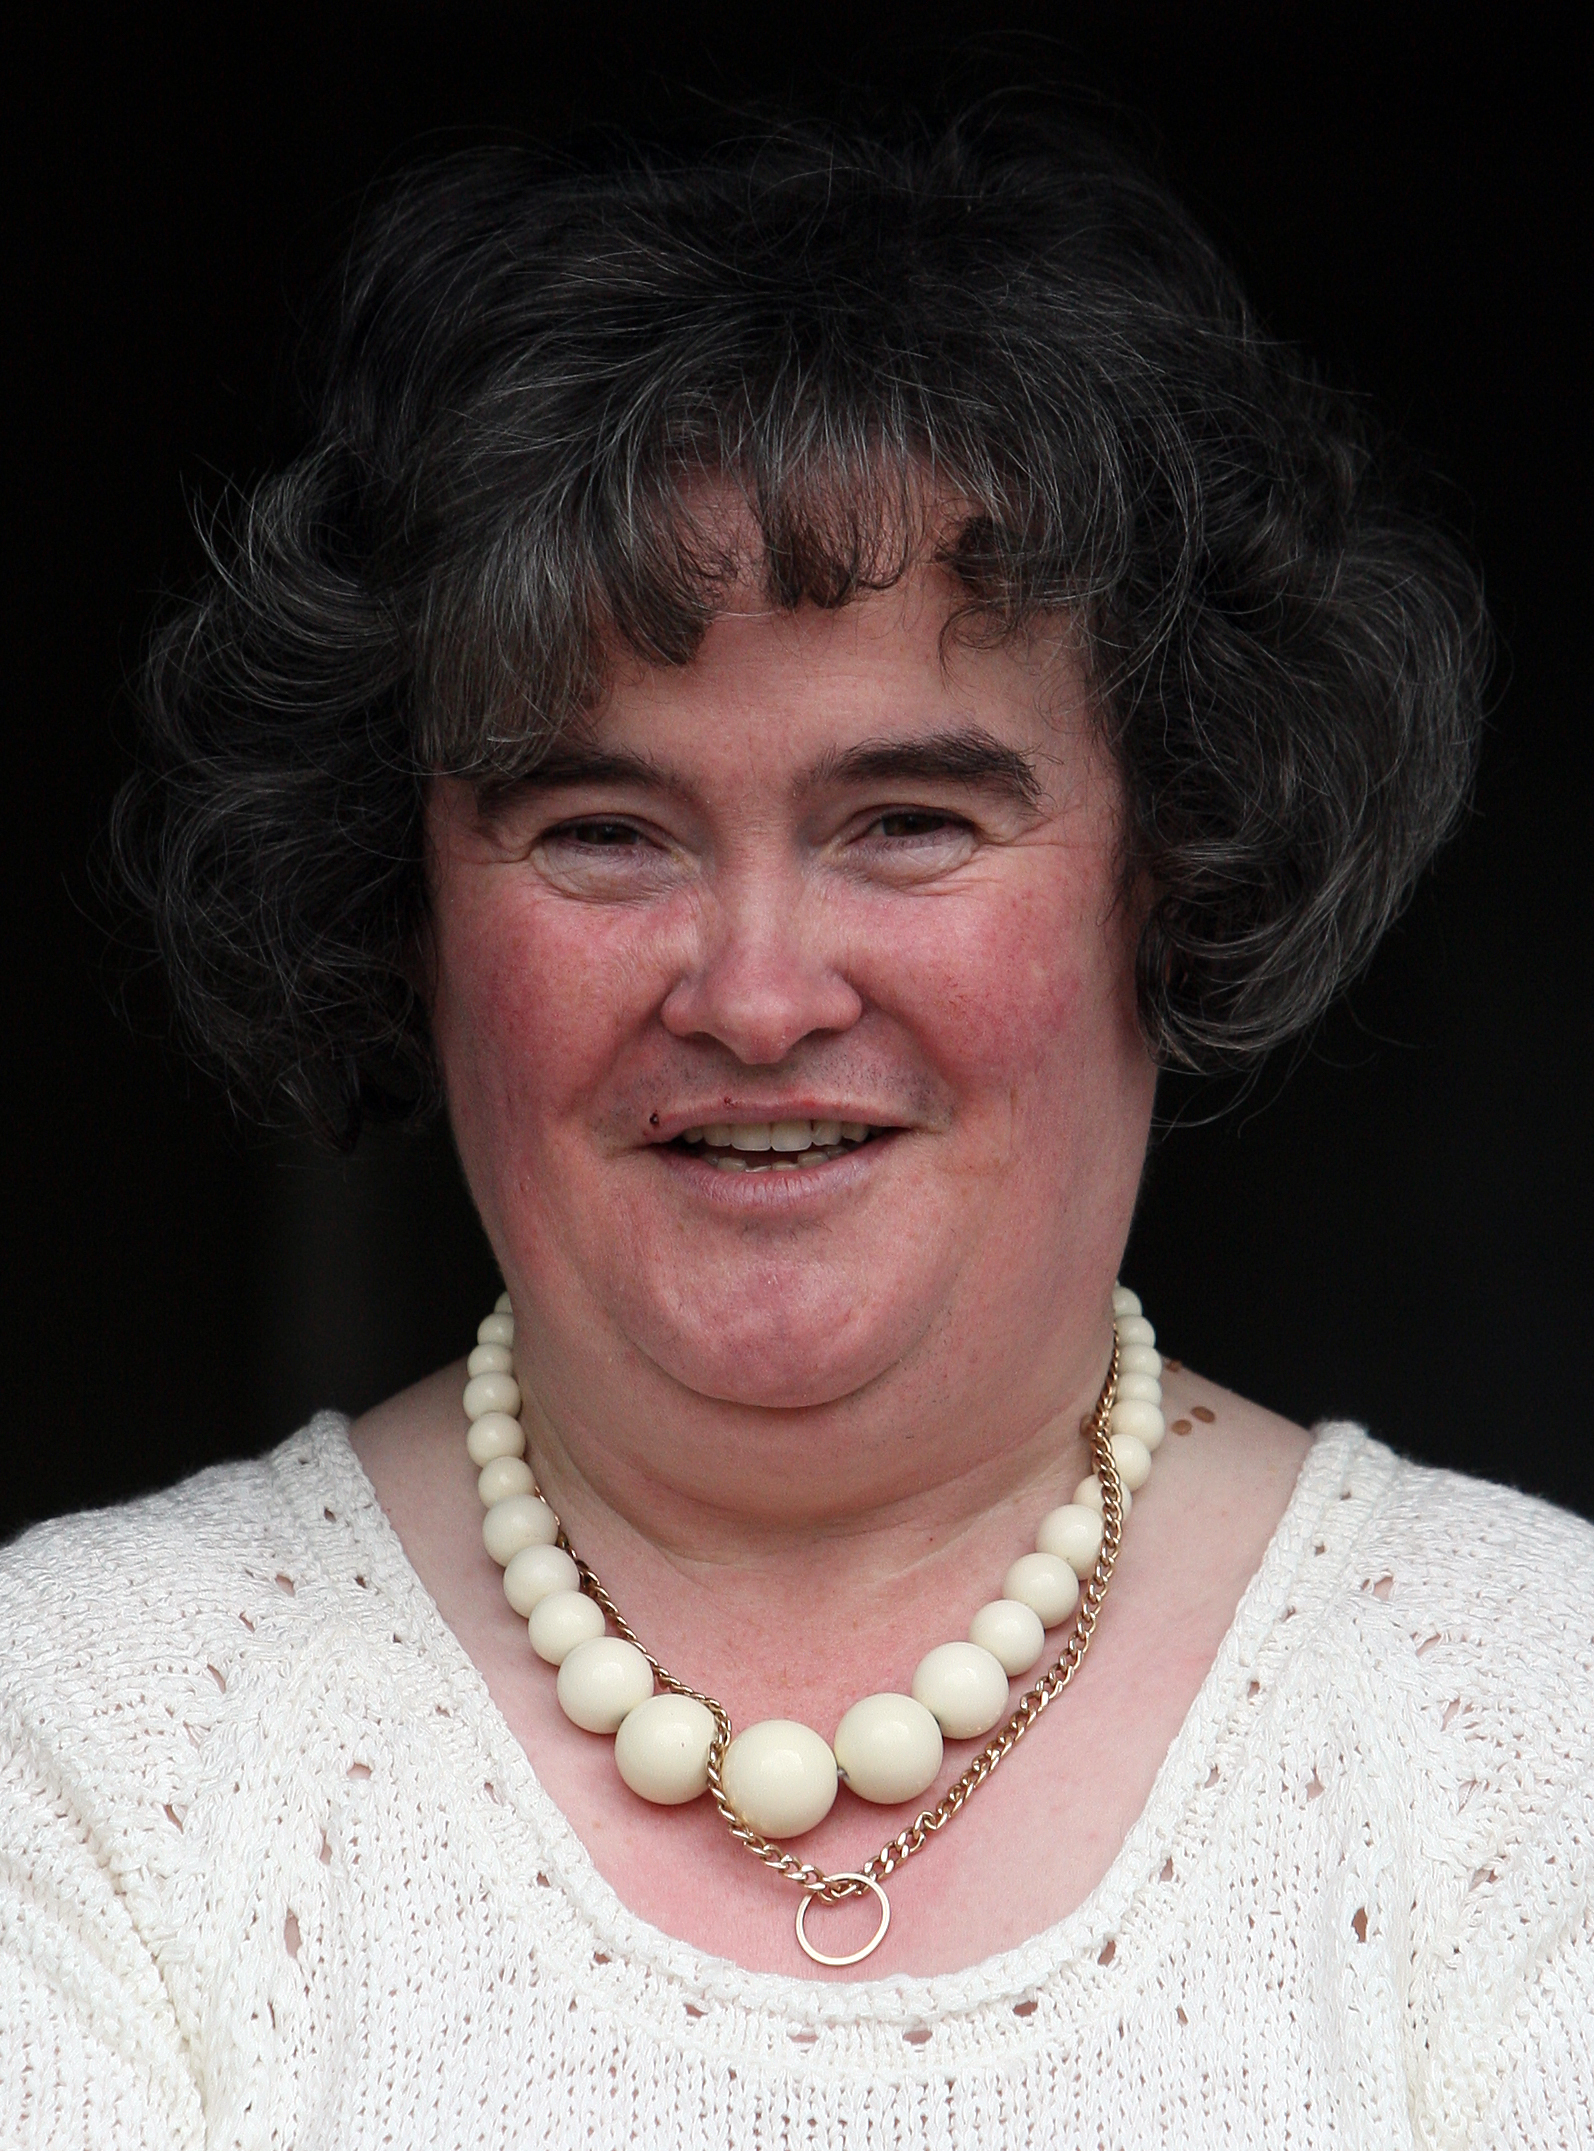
{"x": 855, "y": 1956}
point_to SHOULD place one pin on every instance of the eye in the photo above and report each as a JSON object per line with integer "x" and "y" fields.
{"x": 901, "y": 824}
{"x": 596, "y": 835}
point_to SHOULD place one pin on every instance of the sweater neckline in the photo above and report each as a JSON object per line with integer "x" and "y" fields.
{"x": 1338, "y": 1485}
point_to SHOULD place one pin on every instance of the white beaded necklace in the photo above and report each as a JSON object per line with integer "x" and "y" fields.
{"x": 779, "y": 1778}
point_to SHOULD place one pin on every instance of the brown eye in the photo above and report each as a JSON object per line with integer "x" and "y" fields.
{"x": 914, "y": 822}
{"x": 600, "y": 835}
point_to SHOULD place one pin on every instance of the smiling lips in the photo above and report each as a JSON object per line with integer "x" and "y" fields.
{"x": 781, "y": 1146}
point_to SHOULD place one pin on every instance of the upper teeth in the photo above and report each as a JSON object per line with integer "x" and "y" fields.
{"x": 777, "y": 1134}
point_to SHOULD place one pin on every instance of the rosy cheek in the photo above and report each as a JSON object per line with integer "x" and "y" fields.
{"x": 539, "y": 1000}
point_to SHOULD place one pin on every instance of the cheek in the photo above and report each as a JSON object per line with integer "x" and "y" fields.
{"x": 1018, "y": 992}
{"x": 534, "y": 1004}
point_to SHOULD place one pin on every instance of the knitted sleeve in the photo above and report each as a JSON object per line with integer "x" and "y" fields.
{"x": 90, "y": 2051}
{"x": 1544, "y": 2072}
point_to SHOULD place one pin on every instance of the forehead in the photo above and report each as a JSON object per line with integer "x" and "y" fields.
{"x": 811, "y": 682}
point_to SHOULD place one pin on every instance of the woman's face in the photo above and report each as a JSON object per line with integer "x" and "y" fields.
{"x": 818, "y": 875}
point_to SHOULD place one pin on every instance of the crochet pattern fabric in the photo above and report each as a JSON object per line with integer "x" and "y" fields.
{"x": 273, "y": 1870}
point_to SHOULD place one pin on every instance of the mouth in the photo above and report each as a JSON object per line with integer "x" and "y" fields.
{"x": 775, "y": 1146}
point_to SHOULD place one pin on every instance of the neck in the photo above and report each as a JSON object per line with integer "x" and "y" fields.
{"x": 818, "y": 1544}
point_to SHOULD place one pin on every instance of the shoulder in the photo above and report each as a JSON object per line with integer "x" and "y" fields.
{"x": 116, "y": 1624}
{"x": 1482, "y": 1560}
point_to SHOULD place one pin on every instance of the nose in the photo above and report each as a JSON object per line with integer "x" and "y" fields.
{"x": 764, "y": 975}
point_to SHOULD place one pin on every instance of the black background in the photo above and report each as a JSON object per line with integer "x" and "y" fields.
{"x": 1393, "y": 1227}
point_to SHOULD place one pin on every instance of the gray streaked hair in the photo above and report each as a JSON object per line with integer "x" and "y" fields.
{"x": 1004, "y": 351}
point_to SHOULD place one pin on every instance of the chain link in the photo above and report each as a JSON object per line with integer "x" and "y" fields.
{"x": 836, "y": 1889}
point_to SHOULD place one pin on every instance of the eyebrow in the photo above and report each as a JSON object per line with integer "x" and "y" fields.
{"x": 964, "y": 755}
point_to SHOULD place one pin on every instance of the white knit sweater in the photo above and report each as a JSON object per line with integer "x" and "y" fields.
{"x": 273, "y": 1870}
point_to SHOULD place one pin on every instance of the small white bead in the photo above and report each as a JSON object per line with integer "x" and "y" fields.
{"x": 1133, "y": 1459}
{"x": 495, "y": 1434}
{"x": 1140, "y": 1359}
{"x": 1087, "y": 1495}
{"x": 522, "y": 1520}
{"x": 1012, "y": 1632}
{"x": 602, "y": 1682}
{"x": 496, "y": 1329}
{"x": 1073, "y": 1534}
{"x": 1135, "y": 1329}
{"x": 780, "y": 1777}
{"x": 888, "y": 1747}
{"x": 490, "y": 1359}
{"x": 661, "y": 1750}
{"x": 501, "y": 1304}
{"x": 1145, "y": 1421}
{"x": 491, "y": 1393}
{"x": 502, "y": 1476}
{"x": 1124, "y": 1302}
{"x": 963, "y": 1687}
{"x": 536, "y": 1571}
{"x": 560, "y": 1621}
{"x": 1144, "y": 1386}
{"x": 1042, "y": 1581}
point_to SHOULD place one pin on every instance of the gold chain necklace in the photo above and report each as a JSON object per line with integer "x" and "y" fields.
{"x": 541, "y": 1563}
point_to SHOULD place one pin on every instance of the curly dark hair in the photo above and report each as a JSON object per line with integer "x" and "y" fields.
{"x": 530, "y": 376}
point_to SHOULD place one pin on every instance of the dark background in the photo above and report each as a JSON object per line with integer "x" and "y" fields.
{"x": 1392, "y": 1227}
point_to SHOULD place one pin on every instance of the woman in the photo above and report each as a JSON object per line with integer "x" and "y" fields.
{"x": 781, "y": 692}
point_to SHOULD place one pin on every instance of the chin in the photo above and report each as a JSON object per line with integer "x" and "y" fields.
{"x": 771, "y": 1364}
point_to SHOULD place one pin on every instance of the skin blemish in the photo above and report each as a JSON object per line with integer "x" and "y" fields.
{"x": 1200, "y": 1411}
{"x": 1181, "y": 1426}
{"x": 1359, "y": 1925}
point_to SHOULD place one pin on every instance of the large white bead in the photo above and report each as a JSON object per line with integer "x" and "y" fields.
{"x": 496, "y": 1329}
{"x": 491, "y": 1393}
{"x": 535, "y": 1571}
{"x": 602, "y": 1682}
{"x": 490, "y": 1359}
{"x": 1042, "y": 1581}
{"x": 1144, "y": 1386}
{"x": 501, "y": 1304}
{"x": 963, "y": 1687}
{"x": 1144, "y": 1421}
{"x": 1140, "y": 1359}
{"x": 661, "y": 1749}
{"x": 562, "y": 1620}
{"x": 503, "y": 1476}
{"x": 522, "y": 1520}
{"x": 1073, "y": 1534}
{"x": 780, "y": 1777}
{"x": 1134, "y": 1329}
{"x": 1124, "y": 1302}
{"x": 889, "y": 1748}
{"x": 495, "y": 1434}
{"x": 1011, "y": 1631}
{"x": 1087, "y": 1495}
{"x": 1133, "y": 1459}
